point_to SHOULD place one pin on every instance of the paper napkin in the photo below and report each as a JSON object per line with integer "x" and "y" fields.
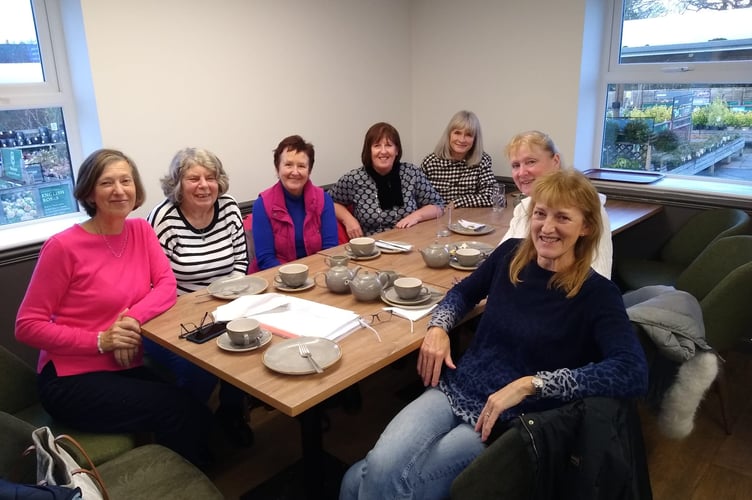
{"x": 473, "y": 226}
{"x": 411, "y": 314}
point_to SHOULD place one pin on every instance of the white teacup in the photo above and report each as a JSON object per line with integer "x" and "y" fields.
{"x": 409, "y": 288}
{"x": 292, "y": 275}
{"x": 361, "y": 247}
{"x": 468, "y": 257}
{"x": 244, "y": 331}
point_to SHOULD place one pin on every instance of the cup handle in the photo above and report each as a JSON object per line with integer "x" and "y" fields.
{"x": 316, "y": 278}
{"x": 347, "y": 248}
{"x": 424, "y": 291}
{"x": 278, "y": 279}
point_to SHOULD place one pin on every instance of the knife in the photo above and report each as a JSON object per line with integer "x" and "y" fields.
{"x": 393, "y": 246}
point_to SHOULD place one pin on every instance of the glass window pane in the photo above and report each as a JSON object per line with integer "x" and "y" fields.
{"x": 682, "y": 129}
{"x": 20, "y": 61}
{"x": 36, "y": 178}
{"x": 686, "y": 31}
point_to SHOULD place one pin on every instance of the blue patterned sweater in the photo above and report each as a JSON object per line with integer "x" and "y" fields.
{"x": 583, "y": 346}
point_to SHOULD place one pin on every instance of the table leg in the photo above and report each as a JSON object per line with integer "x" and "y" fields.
{"x": 313, "y": 452}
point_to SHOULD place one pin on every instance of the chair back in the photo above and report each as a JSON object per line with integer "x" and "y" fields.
{"x": 701, "y": 230}
{"x": 719, "y": 259}
{"x": 721, "y": 280}
{"x": 19, "y": 387}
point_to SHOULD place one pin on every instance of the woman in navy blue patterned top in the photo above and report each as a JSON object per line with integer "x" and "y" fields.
{"x": 553, "y": 331}
{"x": 384, "y": 193}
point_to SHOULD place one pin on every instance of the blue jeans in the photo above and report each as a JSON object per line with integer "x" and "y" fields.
{"x": 419, "y": 454}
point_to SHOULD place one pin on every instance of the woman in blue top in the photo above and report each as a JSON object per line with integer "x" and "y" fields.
{"x": 293, "y": 218}
{"x": 553, "y": 331}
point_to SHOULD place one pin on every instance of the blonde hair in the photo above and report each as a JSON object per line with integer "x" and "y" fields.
{"x": 531, "y": 138}
{"x": 564, "y": 188}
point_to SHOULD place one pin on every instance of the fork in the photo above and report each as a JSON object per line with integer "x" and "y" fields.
{"x": 303, "y": 349}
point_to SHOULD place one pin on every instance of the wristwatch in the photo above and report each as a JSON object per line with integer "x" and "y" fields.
{"x": 537, "y": 385}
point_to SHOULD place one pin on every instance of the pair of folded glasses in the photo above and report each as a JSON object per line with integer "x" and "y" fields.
{"x": 204, "y": 331}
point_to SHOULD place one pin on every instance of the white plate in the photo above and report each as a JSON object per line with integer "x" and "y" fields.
{"x": 390, "y": 294}
{"x": 232, "y": 288}
{"x": 224, "y": 342}
{"x": 284, "y": 288}
{"x": 384, "y": 249}
{"x": 364, "y": 257}
{"x": 456, "y": 228}
{"x": 436, "y": 297}
{"x": 285, "y": 357}
{"x": 456, "y": 265}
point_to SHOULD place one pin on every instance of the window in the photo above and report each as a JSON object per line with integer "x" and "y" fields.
{"x": 36, "y": 175}
{"x": 678, "y": 88}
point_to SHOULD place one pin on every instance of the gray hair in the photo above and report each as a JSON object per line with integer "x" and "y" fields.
{"x": 185, "y": 159}
{"x": 462, "y": 120}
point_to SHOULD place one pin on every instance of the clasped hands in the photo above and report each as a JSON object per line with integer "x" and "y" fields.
{"x": 123, "y": 338}
{"x": 435, "y": 352}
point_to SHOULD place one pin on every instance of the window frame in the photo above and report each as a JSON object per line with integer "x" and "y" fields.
{"x": 614, "y": 72}
{"x": 55, "y": 91}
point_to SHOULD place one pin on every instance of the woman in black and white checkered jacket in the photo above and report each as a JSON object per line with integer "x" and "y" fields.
{"x": 458, "y": 168}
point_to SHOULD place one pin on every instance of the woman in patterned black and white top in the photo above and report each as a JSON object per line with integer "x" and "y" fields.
{"x": 384, "y": 193}
{"x": 458, "y": 168}
{"x": 201, "y": 230}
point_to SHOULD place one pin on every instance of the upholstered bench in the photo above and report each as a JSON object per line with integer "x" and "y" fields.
{"x": 18, "y": 397}
{"x": 149, "y": 471}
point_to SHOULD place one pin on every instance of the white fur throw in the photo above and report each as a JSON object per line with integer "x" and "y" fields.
{"x": 679, "y": 404}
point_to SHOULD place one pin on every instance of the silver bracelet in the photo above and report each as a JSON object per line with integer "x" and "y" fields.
{"x": 99, "y": 343}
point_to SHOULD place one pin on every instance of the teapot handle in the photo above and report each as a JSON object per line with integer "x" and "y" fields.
{"x": 383, "y": 279}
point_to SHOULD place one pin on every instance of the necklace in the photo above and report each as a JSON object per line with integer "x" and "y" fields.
{"x": 107, "y": 241}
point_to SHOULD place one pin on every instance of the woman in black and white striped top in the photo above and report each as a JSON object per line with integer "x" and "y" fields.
{"x": 198, "y": 225}
{"x": 201, "y": 230}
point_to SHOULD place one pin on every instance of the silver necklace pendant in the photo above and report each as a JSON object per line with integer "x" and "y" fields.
{"x": 116, "y": 254}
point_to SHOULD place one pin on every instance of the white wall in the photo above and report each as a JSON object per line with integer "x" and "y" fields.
{"x": 516, "y": 64}
{"x": 236, "y": 76}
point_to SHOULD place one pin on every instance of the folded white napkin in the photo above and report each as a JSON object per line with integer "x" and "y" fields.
{"x": 470, "y": 225}
{"x": 301, "y": 318}
{"x": 393, "y": 245}
{"x": 411, "y": 314}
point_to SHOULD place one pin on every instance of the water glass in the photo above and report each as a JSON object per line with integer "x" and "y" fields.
{"x": 498, "y": 198}
{"x": 441, "y": 229}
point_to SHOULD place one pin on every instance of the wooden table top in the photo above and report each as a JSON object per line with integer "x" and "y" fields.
{"x": 624, "y": 214}
{"x": 362, "y": 354}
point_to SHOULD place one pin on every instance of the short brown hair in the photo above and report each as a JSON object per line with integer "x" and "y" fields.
{"x": 91, "y": 170}
{"x": 377, "y": 132}
{"x": 296, "y": 144}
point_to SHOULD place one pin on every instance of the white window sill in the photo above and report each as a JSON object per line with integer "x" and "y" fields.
{"x": 36, "y": 232}
{"x": 686, "y": 190}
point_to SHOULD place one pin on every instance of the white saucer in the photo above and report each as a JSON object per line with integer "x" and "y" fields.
{"x": 364, "y": 257}
{"x": 305, "y": 286}
{"x": 436, "y": 297}
{"x": 224, "y": 342}
{"x": 462, "y": 268}
{"x": 390, "y": 295}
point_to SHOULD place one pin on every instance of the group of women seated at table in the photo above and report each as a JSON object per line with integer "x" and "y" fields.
{"x": 97, "y": 282}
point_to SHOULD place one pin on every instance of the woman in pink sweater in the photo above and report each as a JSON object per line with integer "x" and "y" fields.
{"x": 94, "y": 285}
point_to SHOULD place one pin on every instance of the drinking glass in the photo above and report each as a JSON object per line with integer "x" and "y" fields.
{"x": 441, "y": 229}
{"x": 498, "y": 198}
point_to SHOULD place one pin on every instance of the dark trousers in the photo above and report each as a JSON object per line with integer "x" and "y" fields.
{"x": 126, "y": 401}
{"x": 194, "y": 379}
